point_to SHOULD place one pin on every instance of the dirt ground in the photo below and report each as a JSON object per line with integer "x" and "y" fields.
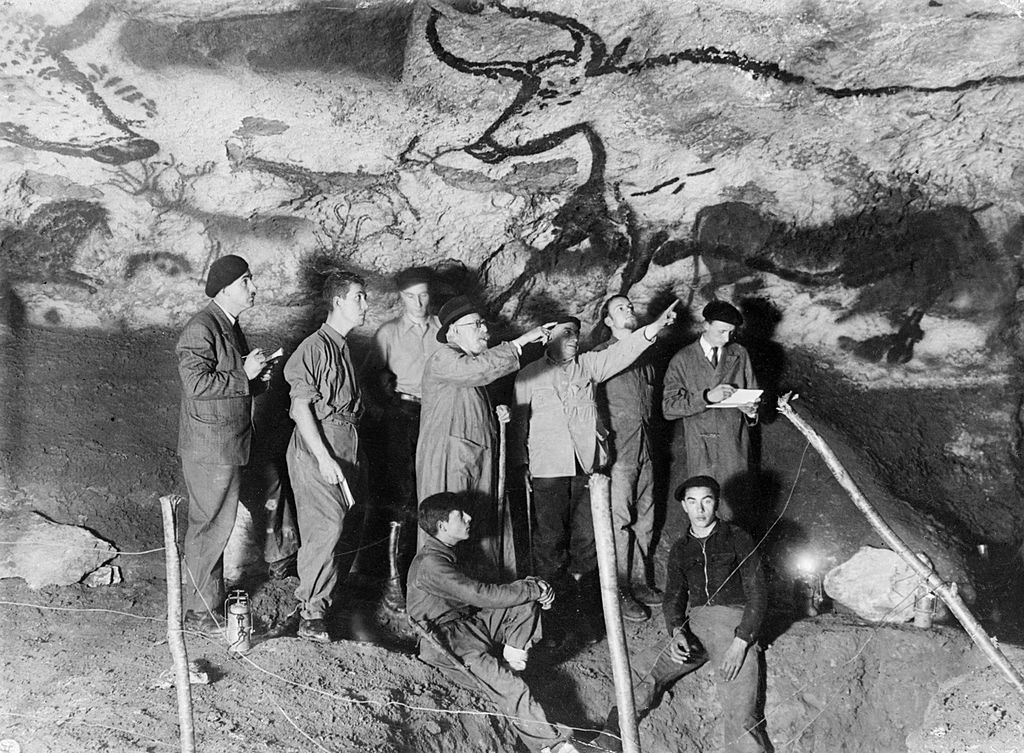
{"x": 89, "y": 426}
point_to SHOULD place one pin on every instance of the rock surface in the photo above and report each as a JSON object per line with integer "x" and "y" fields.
{"x": 851, "y": 173}
{"x": 876, "y": 584}
{"x": 46, "y": 553}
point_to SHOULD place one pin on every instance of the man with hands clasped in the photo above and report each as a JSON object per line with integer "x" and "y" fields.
{"x": 465, "y": 623}
{"x": 715, "y": 604}
{"x": 702, "y": 374}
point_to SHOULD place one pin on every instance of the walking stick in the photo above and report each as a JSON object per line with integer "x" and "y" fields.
{"x": 935, "y": 584}
{"x": 502, "y": 502}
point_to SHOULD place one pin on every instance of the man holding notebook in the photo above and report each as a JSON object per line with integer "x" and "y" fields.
{"x": 703, "y": 374}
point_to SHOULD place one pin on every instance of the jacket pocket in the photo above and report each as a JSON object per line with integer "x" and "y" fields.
{"x": 226, "y": 411}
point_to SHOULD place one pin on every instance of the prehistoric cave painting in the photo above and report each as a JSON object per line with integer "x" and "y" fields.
{"x": 46, "y": 247}
{"x": 557, "y": 78}
{"x": 903, "y": 263}
{"x": 51, "y": 105}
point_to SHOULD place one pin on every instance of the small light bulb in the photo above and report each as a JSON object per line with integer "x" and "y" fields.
{"x": 806, "y": 563}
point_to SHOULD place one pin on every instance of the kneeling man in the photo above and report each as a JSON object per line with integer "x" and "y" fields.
{"x": 715, "y": 603}
{"x": 463, "y": 622}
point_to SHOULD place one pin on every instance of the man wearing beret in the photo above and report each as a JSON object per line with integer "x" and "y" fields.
{"x": 458, "y": 443}
{"x": 219, "y": 376}
{"x": 715, "y": 604}
{"x": 705, "y": 372}
{"x": 561, "y": 438}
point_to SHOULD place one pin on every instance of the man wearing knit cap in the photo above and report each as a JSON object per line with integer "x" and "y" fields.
{"x": 561, "y": 438}
{"x": 457, "y": 449}
{"x": 705, "y": 372}
{"x": 219, "y": 376}
{"x": 393, "y": 373}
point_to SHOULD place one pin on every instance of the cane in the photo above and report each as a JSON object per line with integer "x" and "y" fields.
{"x": 528, "y": 489}
{"x": 502, "y": 504}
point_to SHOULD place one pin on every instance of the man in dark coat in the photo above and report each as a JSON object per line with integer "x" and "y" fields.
{"x": 219, "y": 376}
{"x": 704, "y": 373}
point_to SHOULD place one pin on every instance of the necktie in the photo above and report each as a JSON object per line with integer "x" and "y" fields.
{"x": 240, "y": 338}
{"x": 714, "y": 358}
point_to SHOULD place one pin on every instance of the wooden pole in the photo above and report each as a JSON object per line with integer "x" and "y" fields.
{"x": 502, "y": 503}
{"x": 604, "y": 536}
{"x": 175, "y": 637}
{"x": 935, "y": 584}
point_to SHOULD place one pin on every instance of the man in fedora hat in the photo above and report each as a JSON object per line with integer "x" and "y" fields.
{"x": 705, "y": 372}
{"x": 458, "y": 442}
{"x": 219, "y": 376}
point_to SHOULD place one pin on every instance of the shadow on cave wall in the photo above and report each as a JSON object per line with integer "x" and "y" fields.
{"x": 369, "y": 41}
{"x": 902, "y": 262}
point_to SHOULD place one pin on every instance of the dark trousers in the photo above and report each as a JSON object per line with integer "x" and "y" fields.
{"x": 563, "y": 539}
{"x": 477, "y": 641}
{"x": 212, "y": 504}
{"x": 268, "y": 498}
{"x": 742, "y": 710}
{"x": 401, "y": 430}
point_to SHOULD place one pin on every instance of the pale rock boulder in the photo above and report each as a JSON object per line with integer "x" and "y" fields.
{"x": 47, "y": 553}
{"x": 877, "y": 584}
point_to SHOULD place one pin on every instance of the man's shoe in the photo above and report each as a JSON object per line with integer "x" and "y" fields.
{"x": 631, "y": 609}
{"x": 314, "y": 630}
{"x": 645, "y": 594}
{"x": 204, "y": 622}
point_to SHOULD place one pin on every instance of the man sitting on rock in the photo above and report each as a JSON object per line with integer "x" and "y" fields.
{"x": 463, "y": 622}
{"x": 715, "y": 602}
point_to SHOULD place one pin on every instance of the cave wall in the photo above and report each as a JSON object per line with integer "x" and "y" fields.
{"x": 851, "y": 173}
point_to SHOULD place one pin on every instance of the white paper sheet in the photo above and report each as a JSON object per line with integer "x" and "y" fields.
{"x": 738, "y": 398}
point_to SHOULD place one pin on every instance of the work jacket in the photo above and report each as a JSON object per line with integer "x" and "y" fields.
{"x": 556, "y": 416}
{"x": 720, "y": 570}
{"x": 440, "y": 592}
{"x": 717, "y": 439}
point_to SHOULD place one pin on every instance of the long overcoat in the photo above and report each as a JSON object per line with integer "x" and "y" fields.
{"x": 457, "y": 450}
{"x": 717, "y": 440}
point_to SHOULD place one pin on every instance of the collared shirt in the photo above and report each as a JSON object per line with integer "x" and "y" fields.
{"x": 403, "y": 346}
{"x": 231, "y": 317}
{"x": 721, "y": 569}
{"x": 707, "y": 348}
{"x": 320, "y": 370}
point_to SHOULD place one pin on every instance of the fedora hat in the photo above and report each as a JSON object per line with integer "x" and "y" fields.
{"x": 452, "y": 311}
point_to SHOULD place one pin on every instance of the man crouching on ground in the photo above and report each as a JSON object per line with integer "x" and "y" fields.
{"x": 715, "y": 602}
{"x": 463, "y": 621}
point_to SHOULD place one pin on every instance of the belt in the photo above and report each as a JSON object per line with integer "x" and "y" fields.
{"x": 407, "y": 397}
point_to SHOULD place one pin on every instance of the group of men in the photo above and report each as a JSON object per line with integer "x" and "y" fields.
{"x": 573, "y": 414}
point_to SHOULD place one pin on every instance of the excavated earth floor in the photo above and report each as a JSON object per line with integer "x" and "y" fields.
{"x": 89, "y": 423}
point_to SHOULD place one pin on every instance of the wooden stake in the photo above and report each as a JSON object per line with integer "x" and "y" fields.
{"x": 935, "y": 584}
{"x": 175, "y": 637}
{"x": 604, "y": 537}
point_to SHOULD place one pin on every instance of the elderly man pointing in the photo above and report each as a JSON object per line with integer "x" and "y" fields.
{"x": 458, "y": 441}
